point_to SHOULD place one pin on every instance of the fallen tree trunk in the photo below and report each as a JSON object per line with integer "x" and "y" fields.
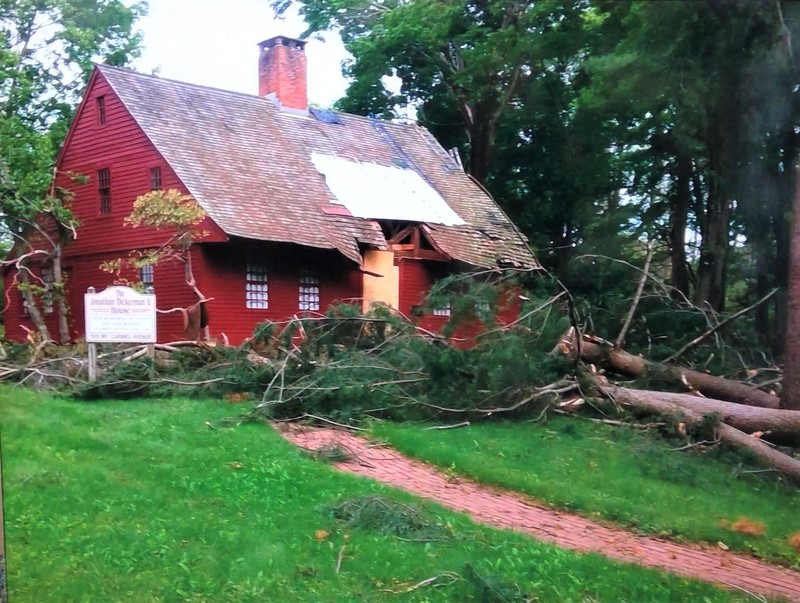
{"x": 693, "y": 412}
{"x": 605, "y": 355}
{"x": 782, "y": 425}
{"x": 764, "y": 453}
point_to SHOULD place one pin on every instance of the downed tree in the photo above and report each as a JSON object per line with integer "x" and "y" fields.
{"x": 602, "y": 353}
{"x": 779, "y": 425}
{"x": 694, "y": 412}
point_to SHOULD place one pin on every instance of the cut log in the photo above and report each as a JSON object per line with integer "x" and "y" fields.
{"x": 764, "y": 453}
{"x": 654, "y": 403}
{"x": 603, "y": 354}
{"x": 782, "y": 425}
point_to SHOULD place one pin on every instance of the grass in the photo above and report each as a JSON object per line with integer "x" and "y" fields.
{"x": 618, "y": 474}
{"x": 142, "y": 501}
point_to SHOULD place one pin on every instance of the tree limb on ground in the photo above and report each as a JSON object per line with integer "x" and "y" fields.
{"x": 602, "y": 353}
{"x": 781, "y": 425}
{"x": 734, "y": 429}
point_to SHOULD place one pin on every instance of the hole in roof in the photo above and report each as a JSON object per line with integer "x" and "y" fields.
{"x": 495, "y": 218}
{"x": 325, "y": 115}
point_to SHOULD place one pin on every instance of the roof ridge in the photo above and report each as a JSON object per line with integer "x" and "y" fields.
{"x": 152, "y": 76}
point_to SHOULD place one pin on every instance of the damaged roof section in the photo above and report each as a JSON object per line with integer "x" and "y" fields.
{"x": 379, "y": 192}
{"x": 316, "y": 180}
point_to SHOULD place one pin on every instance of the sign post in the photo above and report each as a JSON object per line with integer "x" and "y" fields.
{"x": 118, "y": 315}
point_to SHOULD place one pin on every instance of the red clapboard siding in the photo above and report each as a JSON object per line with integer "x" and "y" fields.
{"x": 221, "y": 270}
{"x": 416, "y": 279}
{"x": 120, "y": 146}
{"x": 220, "y": 273}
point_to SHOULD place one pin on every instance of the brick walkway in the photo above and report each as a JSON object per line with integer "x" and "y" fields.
{"x": 514, "y": 512}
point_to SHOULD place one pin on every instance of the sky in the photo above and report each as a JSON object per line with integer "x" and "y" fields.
{"x": 215, "y": 43}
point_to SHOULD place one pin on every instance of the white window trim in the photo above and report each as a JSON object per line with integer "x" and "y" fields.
{"x": 256, "y": 288}
{"x": 48, "y": 278}
{"x": 308, "y": 291}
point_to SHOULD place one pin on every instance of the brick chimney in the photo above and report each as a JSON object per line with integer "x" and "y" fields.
{"x": 282, "y": 71}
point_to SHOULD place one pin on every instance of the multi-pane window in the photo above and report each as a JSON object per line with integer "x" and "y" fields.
{"x": 147, "y": 275}
{"x": 47, "y": 296}
{"x": 155, "y": 178}
{"x": 24, "y": 304}
{"x": 482, "y": 309}
{"x": 104, "y": 187}
{"x": 443, "y": 310}
{"x": 101, "y": 110}
{"x": 257, "y": 288}
{"x": 309, "y": 290}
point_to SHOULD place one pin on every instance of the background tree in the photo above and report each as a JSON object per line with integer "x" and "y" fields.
{"x": 680, "y": 82}
{"x": 463, "y": 62}
{"x": 597, "y": 124}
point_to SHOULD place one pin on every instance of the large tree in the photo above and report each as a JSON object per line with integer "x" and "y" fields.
{"x": 463, "y": 62}
{"x": 47, "y": 48}
{"x": 685, "y": 81}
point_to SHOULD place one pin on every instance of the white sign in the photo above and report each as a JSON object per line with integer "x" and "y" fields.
{"x": 120, "y": 315}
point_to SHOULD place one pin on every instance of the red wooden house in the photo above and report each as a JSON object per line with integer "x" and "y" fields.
{"x": 304, "y": 207}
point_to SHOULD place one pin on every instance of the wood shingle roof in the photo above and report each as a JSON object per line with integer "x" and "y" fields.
{"x": 248, "y": 163}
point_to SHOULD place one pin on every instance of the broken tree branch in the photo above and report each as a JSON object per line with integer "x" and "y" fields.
{"x": 783, "y": 425}
{"x": 700, "y": 338}
{"x": 694, "y": 412}
{"x": 456, "y": 426}
{"x": 629, "y": 318}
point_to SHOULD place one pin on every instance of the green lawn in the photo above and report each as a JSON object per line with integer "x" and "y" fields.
{"x": 619, "y": 474}
{"x": 142, "y": 501}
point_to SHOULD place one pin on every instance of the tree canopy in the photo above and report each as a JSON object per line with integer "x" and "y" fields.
{"x": 47, "y": 48}
{"x": 600, "y": 125}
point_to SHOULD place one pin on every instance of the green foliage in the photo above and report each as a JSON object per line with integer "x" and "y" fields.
{"x": 43, "y": 46}
{"x": 391, "y": 518}
{"x": 126, "y": 380}
{"x": 166, "y": 209}
{"x": 348, "y": 367}
{"x": 493, "y": 587}
{"x": 169, "y": 210}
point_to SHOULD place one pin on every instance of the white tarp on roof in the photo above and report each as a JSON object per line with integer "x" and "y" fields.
{"x": 378, "y": 192}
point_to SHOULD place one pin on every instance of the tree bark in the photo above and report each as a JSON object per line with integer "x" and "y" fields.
{"x": 59, "y": 297}
{"x": 604, "y": 355}
{"x": 782, "y": 425}
{"x": 33, "y": 309}
{"x": 692, "y": 411}
{"x": 790, "y": 394}
{"x": 710, "y": 289}
{"x": 678, "y": 213}
{"x": 481, "y": 131}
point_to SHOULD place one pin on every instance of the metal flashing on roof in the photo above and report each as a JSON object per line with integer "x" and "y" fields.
{"x": 380, "y": 192}
{"x": 325, "y": 115}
